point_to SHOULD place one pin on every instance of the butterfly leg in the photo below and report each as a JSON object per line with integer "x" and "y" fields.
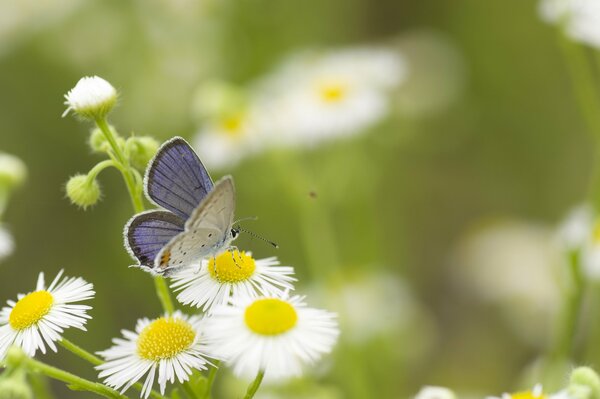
{"x": 232, "y": 250}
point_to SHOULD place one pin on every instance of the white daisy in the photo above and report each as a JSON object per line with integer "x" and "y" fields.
{"x": 228, "y": 138}
{"x": 320, "y": 96}
{"x": 431, "y": 392}
{"x": 581, "y": 18}
{"x": 170, "y": 345}
{"x": 274, "y": 334}
{"x": 229, "y": 276}
{"x": 536, "y": 393}
{"x": 92, "y": 97}
{"x": 38, "y": 318}
{"x": 7, "y": 244}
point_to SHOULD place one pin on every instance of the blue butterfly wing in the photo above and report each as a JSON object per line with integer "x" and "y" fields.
{"x": 148, "y": 232}
{"x": 176, "y": 179}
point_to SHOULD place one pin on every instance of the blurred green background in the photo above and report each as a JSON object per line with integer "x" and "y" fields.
{"x": 510, "y": 144}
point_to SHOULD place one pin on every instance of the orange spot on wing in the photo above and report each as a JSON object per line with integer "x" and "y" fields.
{"x": 164, "y": 259}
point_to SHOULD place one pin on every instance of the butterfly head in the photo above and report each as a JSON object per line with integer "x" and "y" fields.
{"x": 235, "y": 232}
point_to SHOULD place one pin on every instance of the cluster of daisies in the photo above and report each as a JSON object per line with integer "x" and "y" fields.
{"x": 309, "y": 98}
{"x": 250, "y": 322}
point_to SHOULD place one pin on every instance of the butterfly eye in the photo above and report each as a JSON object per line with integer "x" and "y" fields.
{"x": 234, "y": 233}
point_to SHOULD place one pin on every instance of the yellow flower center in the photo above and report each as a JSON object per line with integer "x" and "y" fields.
{"x": 270, "y": 316}
{"x": 30, "y": 309}
{"x": 165, "y": 338}
{"x": 332, "y": 92}
{"x": 232, "y": 124}
{"x": 231, "y": 267}
{"x": 527, "y": 395}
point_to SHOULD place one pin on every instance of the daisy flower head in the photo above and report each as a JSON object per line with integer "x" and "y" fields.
{"x": 229, "y": 276}
{"x": 318, "y": 96}
{"x": 91, "y": 98}
{"x": 170, "y": 346}
{"x": 580, "y": 18}
{"x": 38, "y": 318}
{"x": 275, "y": 334}
{"x": 536, "y": 393}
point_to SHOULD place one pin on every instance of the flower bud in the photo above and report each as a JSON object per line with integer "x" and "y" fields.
{"x": 13, "y": 171}
{"x": 7, "y": 244}
{"x": 83, "y": 191}
{"x": 584, "y": 383}
{"x": 141, "y": 150}
{"x": 99, "y": 143}
{"x": 91, "y": 98}
{"x": 13, "y": 385}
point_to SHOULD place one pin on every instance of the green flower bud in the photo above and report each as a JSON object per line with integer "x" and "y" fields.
{"x": 83, "y": 191}
{"x": 141, "y": 150}
{"x": 14, "y": 357}
{"x": 13, "y": 385}
{"x": 584, "y": 383}
{"x": 91, "y": 98}
{"x": 99, "y": 143}
{"x": 13, "y": 171}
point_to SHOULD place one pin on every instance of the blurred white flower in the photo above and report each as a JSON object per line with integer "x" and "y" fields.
{"x": 317, "y": 96}
{"x": 437, "y": 76}
{"x": 431, "y": 392}
{"x": 536, "y": 393}
{"x": 355, "y": 297}
{"x": 515, "y": 265}
{"x": 92, "y": 97}
{"x": 580, "y": 18}
{"x": 580, "y": 232}
{"x": 13, "y": 171}
{"x": 7, "y": 245}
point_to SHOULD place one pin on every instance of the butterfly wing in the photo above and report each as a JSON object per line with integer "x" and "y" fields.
{"x": 207, "y": 231}
{"x": 148, "y": 232}
{"x": 176, "y": 179}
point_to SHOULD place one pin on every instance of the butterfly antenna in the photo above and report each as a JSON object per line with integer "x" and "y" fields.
{"x": 257, "y": 236}
{"x": 246, "y": 218}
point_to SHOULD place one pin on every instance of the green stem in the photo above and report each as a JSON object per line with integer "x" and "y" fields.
{"x": 568, "y": 319}
{"x": 76, "y": 382}
{"x": 211, "y": 379}
{"x": 93, "y": 173}
{"x": 134, "y": 187}
{"x": 162, "y": 291}
{"x": 255, "y": 384}
{"x": 80, "y": 352}
{"x": 586, "y": 91}
{"x": 135, "y": 191}
{"x": 95, "y": 360}
{"x": 189, "y": 390}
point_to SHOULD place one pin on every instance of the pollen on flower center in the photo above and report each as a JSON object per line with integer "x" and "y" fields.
{"x": 165, "y": 338}
{"x": 231, "y": 267}
{"x": 270, "y": 316}
{"x": 30, "y": 309}
{"x": 332, "y": 92}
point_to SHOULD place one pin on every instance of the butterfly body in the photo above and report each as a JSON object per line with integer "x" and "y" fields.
{"x": 197, "y": 220}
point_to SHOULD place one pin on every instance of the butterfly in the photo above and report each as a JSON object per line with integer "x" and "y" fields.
{"x": 197, "y": 216}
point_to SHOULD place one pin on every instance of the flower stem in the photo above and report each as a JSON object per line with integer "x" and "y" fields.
{"x": 80, "y": 352}
{"x": 211, "y": 379}
{"x": 255, "y": 384}
{"x": 95, "y": 360}
{"x": 135, "y": 189}
{"x": 74, "y": 381}
{"x": 135, "y": 192}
